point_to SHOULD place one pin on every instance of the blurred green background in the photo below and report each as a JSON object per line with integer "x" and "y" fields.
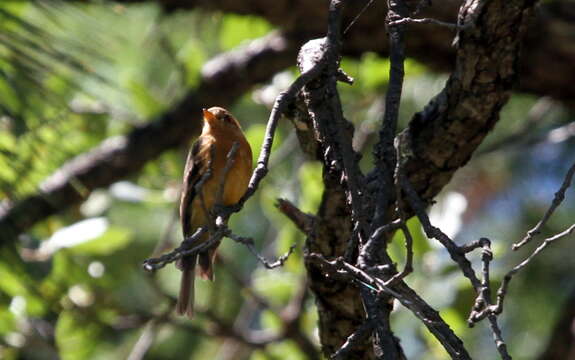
{"x": 72, "y": 75}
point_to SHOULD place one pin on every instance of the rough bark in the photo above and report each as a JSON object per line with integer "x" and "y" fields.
{"x": 438, "y": 141}
{"x": 339, "y": 305}
{"x": 443, "y": 137}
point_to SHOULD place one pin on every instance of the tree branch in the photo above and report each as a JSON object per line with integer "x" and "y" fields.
{"x": 557, "y": 200}
{"x": 442, "y": 138}
{"x": 438, "y": 141}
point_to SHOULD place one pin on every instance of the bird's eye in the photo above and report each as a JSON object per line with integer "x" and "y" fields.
{"x": 227, "y": 118}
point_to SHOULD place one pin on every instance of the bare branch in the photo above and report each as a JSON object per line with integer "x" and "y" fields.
{"x": 220, "y": 231}
{"x": 408, "y": 20}
{"x": 304, "y": 222}
{"x": 402, "y": 220}
{"x": 502, "y": 292}
{"x": 324, "y": 107}
{"x": 384, "y": 151}
{"x": 185, "y": 248}
{"x": 280, "y": 106}
{"x": 458, "y": 255}
{"x": 340, "y": 269}
{"x": 483, "y": 300}
{"x": 557, "y": 200}
{"x": 249, "y": 243}
{"x": 432, "y": 232}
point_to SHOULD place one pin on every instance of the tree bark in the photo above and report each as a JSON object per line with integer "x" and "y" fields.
{"x": 438, "y": 141}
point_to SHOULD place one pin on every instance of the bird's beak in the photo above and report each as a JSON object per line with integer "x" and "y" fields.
{"x": 208, "y": 116}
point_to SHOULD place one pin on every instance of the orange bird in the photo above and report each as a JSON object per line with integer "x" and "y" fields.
{"x": 221, "y": 130}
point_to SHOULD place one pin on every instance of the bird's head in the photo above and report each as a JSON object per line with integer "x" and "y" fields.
{"x": 218, "y": 118}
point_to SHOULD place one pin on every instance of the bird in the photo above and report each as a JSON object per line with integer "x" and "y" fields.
{"x": 209, "y": 153}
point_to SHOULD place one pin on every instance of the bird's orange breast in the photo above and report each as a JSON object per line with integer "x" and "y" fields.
{"x": 236, "y": 179}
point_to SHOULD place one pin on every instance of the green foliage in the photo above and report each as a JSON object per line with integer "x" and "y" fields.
{"x": 236, "y": 29}
{"x": 74, "y": 74}
{"x": 310, "y": 175}
{"x": 284, "y": 350}
{"x": 93, "y": 73}
{"x": 77, "y": 337}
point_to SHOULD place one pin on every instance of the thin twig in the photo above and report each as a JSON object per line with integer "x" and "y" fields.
{"x": 502, "y": 292}
{"x": 467, "y": 248}
{"x": 433, "y": 232}
{"x": 384, "y": 151}
{"x": 357, "y": 16}
{"x": 185, "y": 248}
{"x": 219, "y": 233}
{"x": 458, "y": 255}
{"x": 333, "y": 127}
{"x": 249, "y": 243}
{"x": 340, "y": 269}
{"x": 557, "y": 200}
{"x": 280, "y": 106}
{"x": 498, "y": 337}
{"x": 408, "y": 20}
{"x": 484, "y": 296}
{"x": 402, "y": 220}
{"x": 145, "y": 341}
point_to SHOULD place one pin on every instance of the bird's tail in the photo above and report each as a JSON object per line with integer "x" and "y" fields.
{"x": 186, "y": 298}
{"x": 206, "y": 264}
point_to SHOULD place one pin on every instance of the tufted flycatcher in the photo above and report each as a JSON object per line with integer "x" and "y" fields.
{"x": 221, "y": 130}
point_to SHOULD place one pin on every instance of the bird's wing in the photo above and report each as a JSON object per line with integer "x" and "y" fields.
{"x": 196, "y": 165}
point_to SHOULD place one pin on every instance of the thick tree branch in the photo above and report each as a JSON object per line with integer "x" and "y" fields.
{"x": 443, "y": 137}
{"x": 429, "y": 317}
{"x": 438, "y": 141}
